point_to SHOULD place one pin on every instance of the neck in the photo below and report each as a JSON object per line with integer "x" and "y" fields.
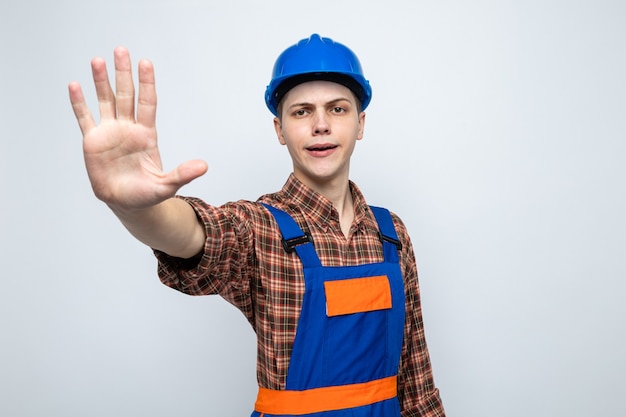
{"x": 340, "y": 196}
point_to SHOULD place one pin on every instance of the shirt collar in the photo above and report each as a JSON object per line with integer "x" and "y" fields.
{"x": 319, "y": 208}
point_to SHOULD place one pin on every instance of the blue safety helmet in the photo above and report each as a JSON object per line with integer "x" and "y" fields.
{"x": 316, "y": 58}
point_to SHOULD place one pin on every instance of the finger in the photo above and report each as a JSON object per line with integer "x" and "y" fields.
{"x": 106, "y": 99}
{"x": 186, "y": 172}
{"x": 124, "y": 87}
{"x": 147, "y": 100}
{"x": 81, "y": 111}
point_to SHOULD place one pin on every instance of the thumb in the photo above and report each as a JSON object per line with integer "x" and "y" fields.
{"x": 187, "y": 172}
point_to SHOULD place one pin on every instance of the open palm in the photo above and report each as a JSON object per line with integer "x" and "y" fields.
{"x": 121, "y": 152}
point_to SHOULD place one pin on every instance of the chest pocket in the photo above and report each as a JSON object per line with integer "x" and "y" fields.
{"x": 357, "y": 295}
{"x": 355, "y": 346}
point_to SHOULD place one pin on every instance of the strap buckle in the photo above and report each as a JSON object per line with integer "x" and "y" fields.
{"x": 393, "y": 241}
{"x": 290, "y": 244}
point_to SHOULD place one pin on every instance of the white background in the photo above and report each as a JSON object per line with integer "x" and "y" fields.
{"x": 497, "y": 132}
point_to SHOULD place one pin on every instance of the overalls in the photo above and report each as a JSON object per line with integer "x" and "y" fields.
{"x": 346, "y": 351}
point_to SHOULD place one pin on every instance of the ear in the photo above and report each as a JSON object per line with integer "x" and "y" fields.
{"x": 361, "y": 126}
{"x": 279, "y": 131}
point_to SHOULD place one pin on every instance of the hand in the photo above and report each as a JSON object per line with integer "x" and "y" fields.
{"x": 121, "y": 153}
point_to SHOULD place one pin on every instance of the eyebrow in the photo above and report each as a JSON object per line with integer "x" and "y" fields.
{"x": 331, "y": 102}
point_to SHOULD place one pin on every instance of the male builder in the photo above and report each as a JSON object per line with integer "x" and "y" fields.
{"x": 328, "y": 283}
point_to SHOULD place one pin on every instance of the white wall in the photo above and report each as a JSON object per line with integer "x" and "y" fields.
{"x": 497, "y": 131}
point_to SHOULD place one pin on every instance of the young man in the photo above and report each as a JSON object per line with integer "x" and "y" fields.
{"x": 328, "y": 283}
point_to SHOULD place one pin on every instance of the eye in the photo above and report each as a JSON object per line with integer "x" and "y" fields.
{"x": 338, "y": 110}
{"x": 300, "y": 112}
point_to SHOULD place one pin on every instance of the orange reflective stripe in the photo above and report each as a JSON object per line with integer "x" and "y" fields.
{"x": 357, "y": 295}
{"x": 325, "y": 399}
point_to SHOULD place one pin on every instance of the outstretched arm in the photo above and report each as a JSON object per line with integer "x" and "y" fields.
{"x": 123, "y": 161}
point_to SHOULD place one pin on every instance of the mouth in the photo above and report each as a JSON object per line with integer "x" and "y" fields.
{"x": 321, "y": 147}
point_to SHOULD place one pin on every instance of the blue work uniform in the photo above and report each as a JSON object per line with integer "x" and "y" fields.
{"x": 346, "y": 351}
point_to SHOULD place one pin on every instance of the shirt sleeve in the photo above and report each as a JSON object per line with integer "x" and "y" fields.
{"x": 226, "y": 264}
{"x": 416, "y": 388}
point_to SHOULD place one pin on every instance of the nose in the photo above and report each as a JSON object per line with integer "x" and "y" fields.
{"x": 320, "y": 124}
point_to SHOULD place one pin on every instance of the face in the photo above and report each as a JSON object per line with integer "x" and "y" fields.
{"x": 320, "y": 123}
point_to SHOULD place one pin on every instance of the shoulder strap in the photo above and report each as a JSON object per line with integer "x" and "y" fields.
{"x": 387, "y": 233}
{"x": 294, "y": 238}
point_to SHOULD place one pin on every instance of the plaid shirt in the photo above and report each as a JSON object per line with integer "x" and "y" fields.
{"x": 244, "y": 261}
